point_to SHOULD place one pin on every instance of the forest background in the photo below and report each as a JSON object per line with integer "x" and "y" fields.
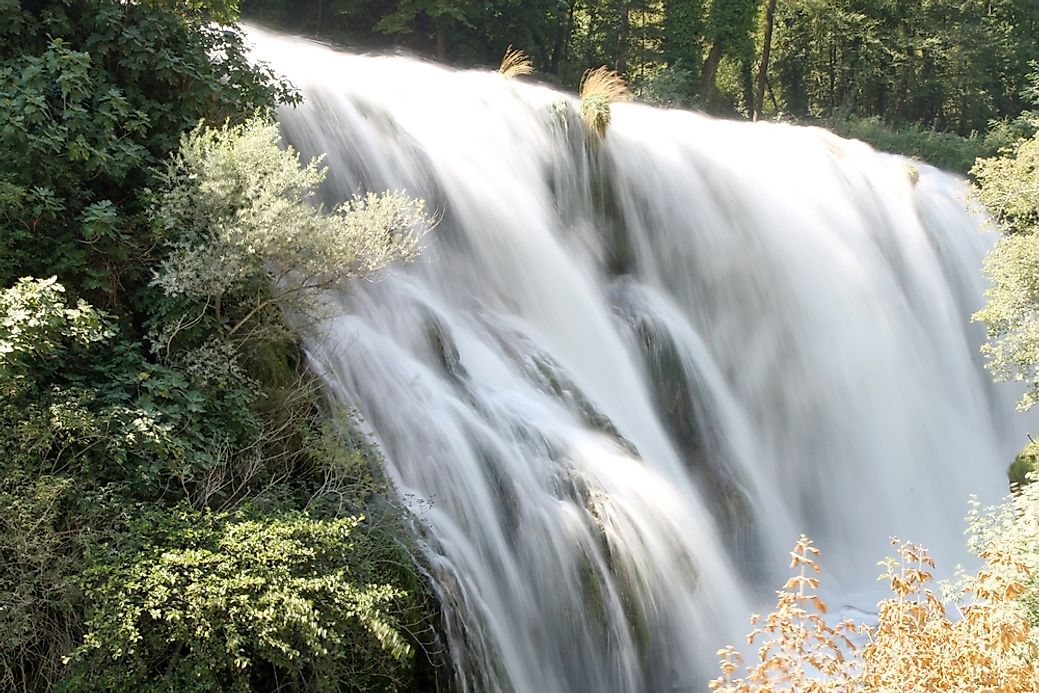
{"x": 944, "y": 80}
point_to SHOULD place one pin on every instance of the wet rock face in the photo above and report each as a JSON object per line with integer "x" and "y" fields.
{"x": 444, "y": 349}
{"x": 685, "y": 407}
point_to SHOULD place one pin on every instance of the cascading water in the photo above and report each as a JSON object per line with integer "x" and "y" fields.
{"x": 625, "y": 375}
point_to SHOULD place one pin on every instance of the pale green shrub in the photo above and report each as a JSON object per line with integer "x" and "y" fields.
{"x": 238, "y": 206}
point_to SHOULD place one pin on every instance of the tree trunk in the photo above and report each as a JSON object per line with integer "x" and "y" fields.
{"x": 560, "y": 50}
{"x": 710, "y": 70}
{"x": 441, "y": 40}
{"x": 766, "y": 48}
{"x": 832, "y": 70}
{"x": 747, "y": 81}
{"x": 623, "y": 40}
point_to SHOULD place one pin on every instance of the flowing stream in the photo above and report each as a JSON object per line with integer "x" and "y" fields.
{"x": 626, "y": 374}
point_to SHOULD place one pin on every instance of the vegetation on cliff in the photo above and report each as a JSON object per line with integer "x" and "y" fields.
{"x": 180, "y": 507}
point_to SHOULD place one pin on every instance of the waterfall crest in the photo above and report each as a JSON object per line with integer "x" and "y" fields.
{"x": 626, "y": 375}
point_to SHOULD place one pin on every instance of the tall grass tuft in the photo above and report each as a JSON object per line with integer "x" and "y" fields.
{"x": 599, "y": 88}
{"x": 515, "y": 63}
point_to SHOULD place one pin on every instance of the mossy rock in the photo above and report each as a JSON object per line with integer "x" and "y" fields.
{"x": 444, "y": 349}
{"x": 912, "y": 173}
{"x": 595, "y": 110}
{"x": 685, "y": 408}
{"x": 552, "y": 379}
{"x": 621, "y": 254}
{"x": 1023, "y": 467}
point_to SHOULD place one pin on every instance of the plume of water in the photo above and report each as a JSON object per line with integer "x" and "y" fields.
{"x": 629, "y": 371}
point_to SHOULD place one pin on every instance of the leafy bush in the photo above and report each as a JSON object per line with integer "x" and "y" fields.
{"x": 944, "y": 150}
{"x": 246, "y": 249}
{"x": 239, "y": 601}
{"x": 1008, "y": 185}
{"x": 48, "y": 523}
{"x": 96, "y": 95}
{"x": 1025, "y": 466}
{"x": 91, "y": 455}
{"x": 672, "y": 87}
{"x": 37, "y": 321}
{"x": 79, "y": 400}
{"x": 158, "y": 426}
{"x": 242, "y": 235}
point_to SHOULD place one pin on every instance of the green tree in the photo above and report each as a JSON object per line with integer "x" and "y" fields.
{"x": 1008, "y": 185}
{"x": 950, "y": 65}
{"x": 246, "y": 246}
{"x": 96, "y": 95}
{"x": 943, "y": 65}
{"x": 729, "y": 27}
{"x": 683, "y": 37}
{"x": 440, "y": 16}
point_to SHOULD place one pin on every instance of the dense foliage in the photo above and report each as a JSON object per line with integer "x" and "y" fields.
{"x": 947, "y": 64}
{"x": 942, "y": 65}
{"x": 180, "y": 509}
{"x": 241, "y": 601}
{"x": 1008, "y": 185}
{"x": 96, "y": 95}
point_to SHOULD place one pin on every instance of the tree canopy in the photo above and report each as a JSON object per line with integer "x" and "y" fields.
{"x": 948, "y": 65}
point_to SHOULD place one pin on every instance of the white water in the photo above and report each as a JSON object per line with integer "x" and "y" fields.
{"x": 624, "y": 377}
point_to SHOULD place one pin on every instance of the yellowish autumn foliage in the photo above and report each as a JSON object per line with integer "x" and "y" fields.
{"x": 980, "y": 639}
{"x": 986, "y": 645}
{"x": 797, "y": 649}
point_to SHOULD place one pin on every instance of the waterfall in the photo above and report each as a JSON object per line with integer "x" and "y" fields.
{"x": 626, "y": 374}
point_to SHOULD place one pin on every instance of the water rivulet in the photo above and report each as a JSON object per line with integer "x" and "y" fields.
{"x": 626, "y": 373}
